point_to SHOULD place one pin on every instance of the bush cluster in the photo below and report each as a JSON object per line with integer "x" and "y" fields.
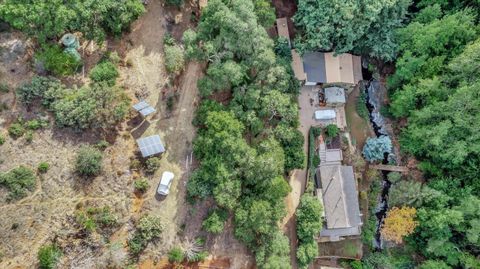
{"x": 141, "y": 185}
{"x": 57, "y": 61}
{"x": 105, "y": 71}
{"x": 92, "y": 218}
{"x": 18, "y": 181}
{"x": 89, "y": 161}
{"x": 215, "y": 221}
{"x": 152, "y": 165}
{"x": 149, "y": 228}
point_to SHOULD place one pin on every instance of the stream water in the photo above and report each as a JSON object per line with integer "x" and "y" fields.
{"x": 374, "y": 102}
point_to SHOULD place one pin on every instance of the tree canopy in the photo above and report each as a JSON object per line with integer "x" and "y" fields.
{"x": 247, "y": 144}
{"x": 366, "y": 26}
{"x": 48, "y": 19}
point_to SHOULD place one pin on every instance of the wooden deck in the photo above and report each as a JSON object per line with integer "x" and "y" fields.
{"x": 392, "y": 168}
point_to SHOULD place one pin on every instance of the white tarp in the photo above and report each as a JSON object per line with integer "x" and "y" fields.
{"x": 325, "y": 114}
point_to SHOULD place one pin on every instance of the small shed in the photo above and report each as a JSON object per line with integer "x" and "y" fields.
{"x": 150, "y": 145}
{"x": 325, "y": 114}
{"x": 144, "y": 108}
{"x": 335, "y": 96}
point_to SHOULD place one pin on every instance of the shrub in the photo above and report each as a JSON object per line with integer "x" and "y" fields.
{"x": 141, "y": 185}
{"x": 29, "y": 136}
{"x": 215, "y": 222}
{"x": 306, "y": 253}
{"x": 332, "y": 130}
{"x": 89, "y": 161}
{"x": 36, "y": 124}
{"x": 361, "y": 105}
{"x": 43, "y": 167}
{"x": 174, "y": 58}
{"x": 93, "y": 217}
{"x": 199, "y": 257}
{"x": 152, "y": 165}
{"x": 376, "y": 148}
{"x": 105, "y": 71}
{"x": 148, "y": 229}
{"x": 18, "y": 181}
{"x": 48, "y": 256}
{"x": 57, "y": 61}
{"x": 282, "y": 48}
{"x": 168, "y": 40}
{"x": 176, "y": 255}
{"x": 2, "y": 139}
{"x": 16, "y": 130}
{"x": 39, "y": 87}
{"x": 4, "y": 88}
{"x": 102, "y": 145}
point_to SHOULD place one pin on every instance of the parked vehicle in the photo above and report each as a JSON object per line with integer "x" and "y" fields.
{"x": 164, "y": 186}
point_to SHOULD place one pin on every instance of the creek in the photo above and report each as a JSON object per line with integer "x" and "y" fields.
{"x": 374, "y": 103}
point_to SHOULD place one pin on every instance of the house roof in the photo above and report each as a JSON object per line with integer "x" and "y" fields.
{"x": 150, "y": 145}
{"x": 327, "y": 68}
{"x": 282, "y": 28}
{"x": 335, "y": 95}
{"x": 297, "y": 66}
{"x": 340, "y": 198}
{"x": 314, "y": 66}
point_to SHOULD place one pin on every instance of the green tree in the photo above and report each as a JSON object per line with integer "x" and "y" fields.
{"x": 365, "y": 26}
{"x": 97, "y": 105}
{"x": 332, "y": 130}
{"x": 89, "y": 161}
{"x": 432, "y": 264}
{"x": 265, "y": 13}
{"x": 47, "y": 19}
{"x": 309, "y": 221}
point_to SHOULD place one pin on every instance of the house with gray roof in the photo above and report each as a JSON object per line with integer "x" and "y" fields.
{"x": 337, "y": 190}
{"x": 329, "y": 68}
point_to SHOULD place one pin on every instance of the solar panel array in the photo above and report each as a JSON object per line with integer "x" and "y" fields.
{"x": 150, "y": 145}
{"x": 144, "y": 108}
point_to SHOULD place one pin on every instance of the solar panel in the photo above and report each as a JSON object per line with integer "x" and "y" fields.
{"x": 141, "y": 105}
{"x": 147, "y": 111}
{"x": 150, "y": 145}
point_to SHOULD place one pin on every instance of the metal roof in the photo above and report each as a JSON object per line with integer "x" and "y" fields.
{"x": 144, "y": 108}
{"x": 314, "y": 66}
{"x": 335, "y": 95}
{"x": 340, "y": 198}
{"x": 150, "y": 145}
